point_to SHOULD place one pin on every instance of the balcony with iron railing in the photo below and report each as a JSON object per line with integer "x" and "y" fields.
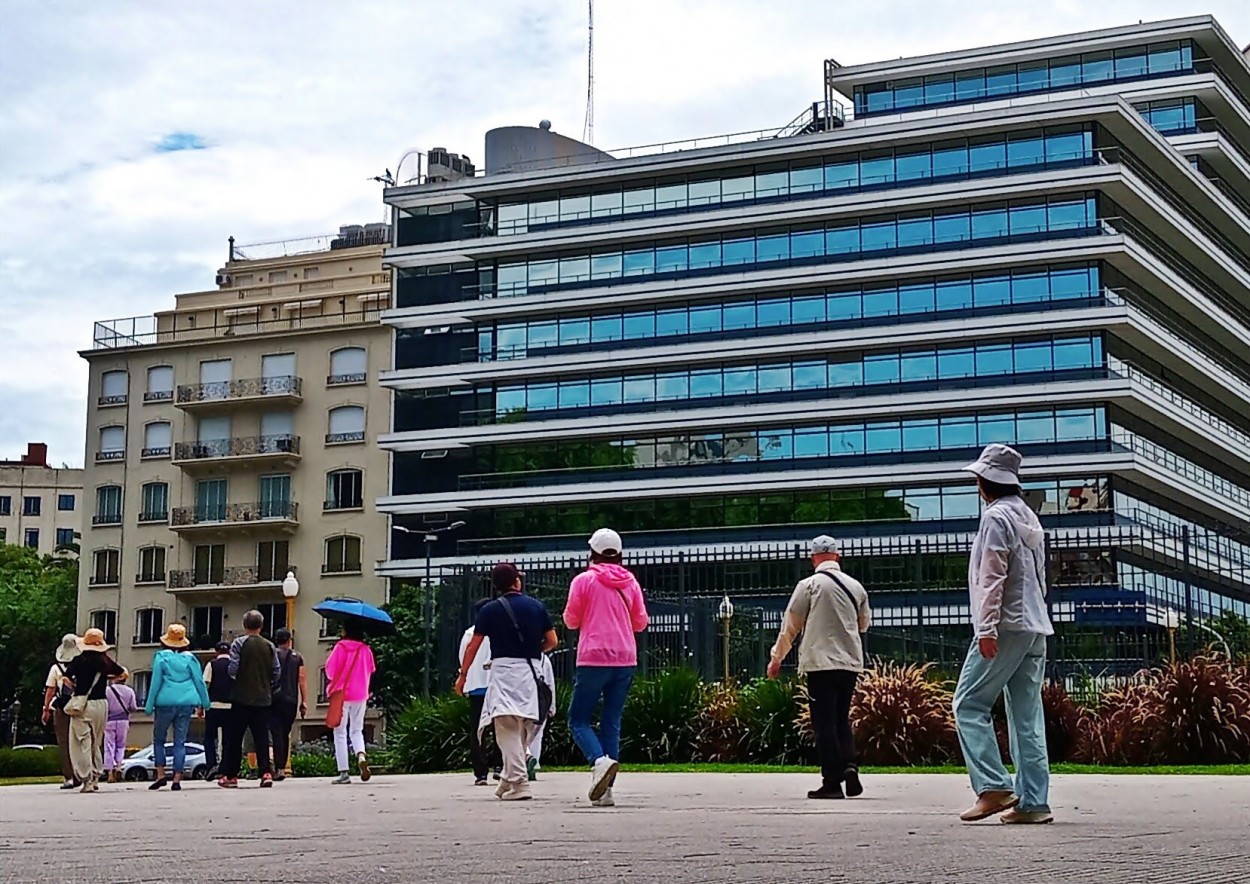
{"x": 283, "y": 449}
{"x": 281, "y": 390}
{"x": 214, "y": 578}
{"x": 282, "y": 515}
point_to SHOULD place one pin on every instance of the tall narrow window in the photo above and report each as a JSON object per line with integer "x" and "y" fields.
{"x": 347, "y": 424}
{"x": 106, "y": 622}
{"x": 342, "y": 555}
{"x": 108, "y": 505}
{"x": 160, "y": 384}
{"x": 157, "y": 439}
{"x": 348, "y": 365}
{"x": 32, "y": 538}
{"x": 155, "y": 502}
{"x": 206, "y": 626}
{"x": 114, "y": 386}
{"x": 343, "y": 490}
{"x": 275, "y": 497}
{"x": 149, "y": 625}
{"x": 210, "y": 500}
{"x": 275, "y": 618}
{"x": 272, "y": 560}
{"x": 141, "y": 682}
{"x": 151, "y": 565}
{"x": 112, "y": 444}
{"x": 32, "y": 506}
{"x": 210, "y": 564}
{"x": 106, "y": 567}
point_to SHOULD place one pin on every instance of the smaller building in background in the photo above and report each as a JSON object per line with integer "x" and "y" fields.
{"x": 40, "y": 505}
{"x": 230, "y": 441}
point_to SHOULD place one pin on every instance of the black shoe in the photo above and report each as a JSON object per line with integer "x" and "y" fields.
{"x": 159, "y": 784}
{"x": 854, "y": 788}
{"x": 496, "y": 774}
{"x": 176, "y": 787}
{"x": 826, "y": 792}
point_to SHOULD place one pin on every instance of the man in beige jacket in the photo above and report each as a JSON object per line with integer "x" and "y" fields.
{"x": 830, "y": 609}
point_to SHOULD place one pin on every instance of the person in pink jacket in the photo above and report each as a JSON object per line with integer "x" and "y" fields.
{"x": 349, "y": 669}
{"x": 607, "y": 608}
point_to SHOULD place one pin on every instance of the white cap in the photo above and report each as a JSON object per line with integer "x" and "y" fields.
{"x": 605, "y": 541}
{"x": 824, "y": 544}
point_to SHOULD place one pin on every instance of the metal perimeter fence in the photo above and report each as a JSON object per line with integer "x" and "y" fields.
{"x": 1122, "y": 597}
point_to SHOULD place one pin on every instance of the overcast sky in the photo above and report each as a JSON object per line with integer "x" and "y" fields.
{"x": 136, "y": 136}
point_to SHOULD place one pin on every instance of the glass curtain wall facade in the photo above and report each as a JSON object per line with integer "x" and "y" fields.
{"x": 814, "y": 333}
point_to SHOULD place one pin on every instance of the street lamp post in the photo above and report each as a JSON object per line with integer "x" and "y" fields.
{"x": 14, "y": 711}
{"x": 431, "y": 537}
{"x": 1172, "y": 621}
{"x": 726, "y": 614}
{"x": 290, "y": 591}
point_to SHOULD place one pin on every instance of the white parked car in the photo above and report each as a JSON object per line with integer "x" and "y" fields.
{"x": 140, "y": 767}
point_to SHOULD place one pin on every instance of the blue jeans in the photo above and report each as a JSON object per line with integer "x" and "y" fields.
{"x": 611, "y": 683}
{"x": 180, "y": 718}
{"x": 1017, "y": 670}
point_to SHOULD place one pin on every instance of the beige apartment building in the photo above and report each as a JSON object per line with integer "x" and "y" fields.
{"x": 230, "y": 441}
{"x": 40, "y": 505}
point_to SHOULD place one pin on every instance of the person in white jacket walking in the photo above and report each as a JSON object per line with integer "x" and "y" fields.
{"x": 476, "y": 681}
{"x": 1007, "y": 598}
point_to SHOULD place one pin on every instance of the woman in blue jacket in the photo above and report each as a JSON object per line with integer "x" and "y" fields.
{"x": 176, "y": 691}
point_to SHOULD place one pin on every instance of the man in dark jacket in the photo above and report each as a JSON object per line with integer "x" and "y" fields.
{"x": 256, "y": 670}
{"x": 217, "y": 716}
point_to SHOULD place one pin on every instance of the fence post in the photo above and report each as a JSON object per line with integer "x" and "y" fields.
{"x": 1189, "y": 593}
{"x": 1052, "y": 603}
{"x": 682, "y": 622}
{"x": 918, "y": 585}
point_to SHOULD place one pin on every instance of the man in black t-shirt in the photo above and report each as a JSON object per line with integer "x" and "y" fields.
{"x": 520, "y": 632}
{"x": 290, "y": 698}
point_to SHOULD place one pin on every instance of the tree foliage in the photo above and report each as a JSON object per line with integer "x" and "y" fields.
{"x": 37, "y": 606}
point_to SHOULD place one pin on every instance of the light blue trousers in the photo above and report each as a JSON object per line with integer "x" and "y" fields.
{"x": 1017, "y": 671}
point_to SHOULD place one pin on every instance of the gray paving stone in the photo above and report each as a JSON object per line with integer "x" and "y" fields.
{"x": 666, "y": 827}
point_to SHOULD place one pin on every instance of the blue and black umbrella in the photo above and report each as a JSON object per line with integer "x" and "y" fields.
{"x": 374, "y": 620}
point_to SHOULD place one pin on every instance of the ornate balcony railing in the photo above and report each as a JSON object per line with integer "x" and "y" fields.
{"x": 239, "y": 446}
{"x": 119, "y": 399}
{"x": 119, "y": 454}
{"x": 244, "y": 388}
{"x": 160, "y": 451}
{"x": 159, "y": 396}
{"x": 343, "y": 438}
{"x": 106, "y": 519}
{"x": 236, "y": 513}
{"x": 235, "y": 575}
{"x": 342, "y": 380}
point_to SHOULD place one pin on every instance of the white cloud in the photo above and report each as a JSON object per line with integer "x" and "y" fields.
{"x": 300, "y": 101}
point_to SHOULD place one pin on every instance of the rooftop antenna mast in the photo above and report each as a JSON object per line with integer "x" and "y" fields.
{"x": 588, "y": 130}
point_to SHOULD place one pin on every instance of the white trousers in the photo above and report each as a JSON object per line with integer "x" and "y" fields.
{"x": 536, "y": 746}
{"x": 353, "y": 725}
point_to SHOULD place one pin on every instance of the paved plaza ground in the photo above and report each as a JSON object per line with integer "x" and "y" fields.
{"x": 667, "y": 827}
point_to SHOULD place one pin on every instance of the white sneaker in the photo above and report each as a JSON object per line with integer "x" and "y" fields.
{"x": 503, "y": 788}
{"x": 603, "y": 776}
{"x": 606, "y": 801}
{"x": 519, "y": 792}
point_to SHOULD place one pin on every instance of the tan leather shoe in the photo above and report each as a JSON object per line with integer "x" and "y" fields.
{"x": 988, "y": 805}
{"x": 1027, "y": 817}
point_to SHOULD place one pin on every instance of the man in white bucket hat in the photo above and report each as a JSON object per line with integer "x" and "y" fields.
{"x": 1007, "y": 598}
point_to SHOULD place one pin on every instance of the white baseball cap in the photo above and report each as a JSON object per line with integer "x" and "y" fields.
{"x": 605, "y": 541}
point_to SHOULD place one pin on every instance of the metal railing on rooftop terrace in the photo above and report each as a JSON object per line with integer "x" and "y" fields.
{"x": 142, "y": 331}
{"x": 366, "y": 235}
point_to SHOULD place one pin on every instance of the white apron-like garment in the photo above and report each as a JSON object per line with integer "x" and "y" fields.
{"x": 512, "y": 691}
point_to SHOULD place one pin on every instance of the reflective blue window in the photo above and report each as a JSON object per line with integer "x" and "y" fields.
{"x": 1072, "y": 353}
{"x": 914, "y": 166}
{"x": 839, "y": 176}
{"x": 987, "y": 156}
{"x": 541, "y": 396}
{"x": 639, "y": 325}
{"x": 883, "y": 437}
{"x": 1035, "y": 427}
{"x": 1065, "y": 72}
{"x": 939, "y": 88}
{"x": 920, "y": 435}
{"x": 811, "y": 442}
{"x": 607, "y": 328}
{"x": 919, "y": 366}
{"x": 639, "y": 262}
{"x": 969, "y": 85}
{"x": 842, "y": 241}
{"x": 995, "y": 429}
{"x": 639, "y": 389}
{"x": 915, "y": 231}
{"x": 807, "y": 179}
{"x": 1027, "y": 219}
{"x": 1034, "y": 356}
{"x": 775, "y": 311}
{"x": 808, "y": 309}
{"x": 672, "y": 386}
{"x": 1023, "y": 288}
{"x": 575, "y": 394}
{"x": 705, "y": 319}
{"x": 957, "y": 362}
{"x": 706, "y": 254}
{"x": 846, "y": 440}
{"x": 574, "y": 330}
{"x": 994, "y": 359}
{"x": 670, "y": 258}
{"x": 958, "y": 432}
{"x": 879, "y": 235}
{"x": 774, "y": 378}
{"x": 952, "y": 228}
{"x": 845, "y": 374}
{"x": 992, "y": 291}
{"x": 606, "y": 391}
{"x": 807, "y": 244}
{"x": 738, "y": 251}
{"x": 1130, "y": 63}
{"x": 1000, "y": 81}
{"x": 607, "y": 266}
{"x": 916, "y": 298}
{"x": 705, "y": 383}
{"x": 1026, "y": 151}
{"x": 989, "y": 223}
{"x": 544, "y": 334}
{"x": 738, "y": 316}
{"x": 1032, "y": 77}
{"x": 880, "y": 303}
{"x": 739, "y": 381}
{"x": 772, "y": 248}
{"x": 811, "y": 375}
{"x": 876, "y": 170}
{"x": 881, "y": 368}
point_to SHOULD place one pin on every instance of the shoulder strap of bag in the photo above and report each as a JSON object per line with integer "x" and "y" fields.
{"x": 842, "y": 586}
{"x": 503, "y": 600}
{"x": 113, "y": 691}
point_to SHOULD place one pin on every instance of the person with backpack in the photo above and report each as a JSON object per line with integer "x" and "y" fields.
{"x": 176, "y": 692}
{"x": 122, "y": 703}
{"x": 518, "y": 698}
{"x": 1007, "y": 598}
{"x": 55, "y": 695}
{"x": 217, "y": 716}
{"x": 349, "y": 669}
{"x": 607, "y": 608}
{"x": 255, "y": 669}
{"x": 831, "y": 610}
{"x": 290, "y": 699}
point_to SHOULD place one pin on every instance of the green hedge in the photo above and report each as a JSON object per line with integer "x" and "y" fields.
{"x": 30, "y": 762}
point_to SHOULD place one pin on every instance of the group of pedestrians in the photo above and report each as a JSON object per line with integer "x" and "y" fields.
{"x": 515, "y": 690}
{"x": 828, "y": 612}
{"x": 251, "y": 686}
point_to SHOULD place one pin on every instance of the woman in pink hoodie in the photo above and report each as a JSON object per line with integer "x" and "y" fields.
{"x": 349, "y": 669}
{"x": 607, "y": 608}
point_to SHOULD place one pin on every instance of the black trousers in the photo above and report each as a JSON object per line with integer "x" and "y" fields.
{"x": 478, "y": 754}
{"x": 281, "y": 720}
{"x": 215, "y": 720}
{"x": 243, "y": 719}
{"x": 831, "y": 691}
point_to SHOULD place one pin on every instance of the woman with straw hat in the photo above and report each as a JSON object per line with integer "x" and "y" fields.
{"x": 89, "y": 673}
{"x": 176, "y": 692}
{"x": 56, "y": 694}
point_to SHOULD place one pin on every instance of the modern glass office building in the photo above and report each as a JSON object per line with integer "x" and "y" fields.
{"x": 813, "y": 329}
